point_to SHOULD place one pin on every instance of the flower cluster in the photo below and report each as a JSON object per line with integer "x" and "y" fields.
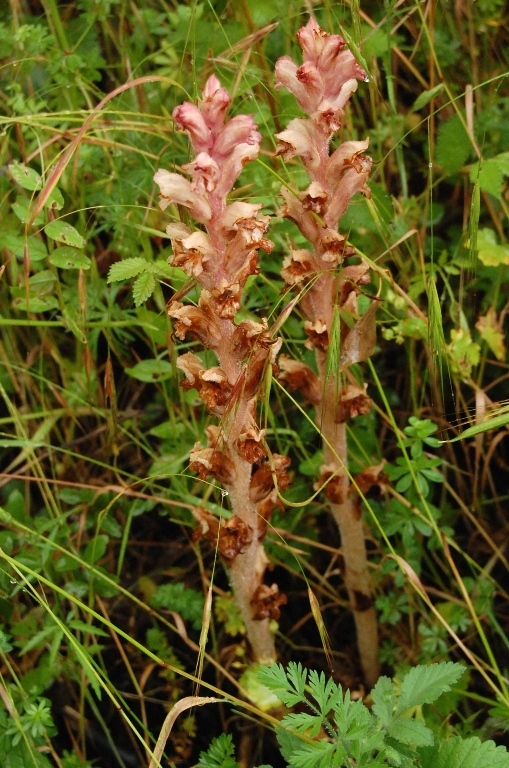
{"x": 329, "y": 287}
{"x": 220, "y": 257}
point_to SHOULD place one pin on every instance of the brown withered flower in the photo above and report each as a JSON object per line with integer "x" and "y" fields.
{"x": 231, "y": 536}
{"x": 262, "y": 481}
{"x": 334, "y": 483}
{"x": 299, "y": 376}
{"x": 353, "y": 401}
{"x": 211, "y": 461}
{"x": 266, "y": 602}
{"x": 250, "y": 444}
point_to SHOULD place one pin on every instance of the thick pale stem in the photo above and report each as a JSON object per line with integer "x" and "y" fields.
{"x": 246, "y": 572}
{"x": 349, "y": 521}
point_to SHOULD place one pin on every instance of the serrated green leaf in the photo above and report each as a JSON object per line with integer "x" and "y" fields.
{"x": 453, "y": 145}
{"x": 143, "y": 288}
{"x": 465, "y": 753}
{"x": 425, "y": 97}
{"x": 490, "y": 173}
{"x": 26, "y": 177}
{"x": 66, "y": 257}
{"x": 62, "y": 232}
{"x": 410, "y": 732}
{"x": 151, "y": 370}
{"x": 383, "y": 700}
{"x": 126, "y": 269}
{"x": 425, "y": 683}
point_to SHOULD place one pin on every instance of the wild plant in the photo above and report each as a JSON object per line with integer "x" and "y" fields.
{"x": 330, "y": 282}
{"x": 220, "y": 260}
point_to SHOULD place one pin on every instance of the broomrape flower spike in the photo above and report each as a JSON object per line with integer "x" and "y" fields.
{"x": 323, "y": 85}
{"x": 220, "y": 257}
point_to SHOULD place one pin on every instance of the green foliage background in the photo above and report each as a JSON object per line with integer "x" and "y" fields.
{"x": 101, "y": 582}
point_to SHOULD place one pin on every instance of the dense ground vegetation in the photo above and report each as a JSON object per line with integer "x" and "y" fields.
{"x": 104, "y": 584}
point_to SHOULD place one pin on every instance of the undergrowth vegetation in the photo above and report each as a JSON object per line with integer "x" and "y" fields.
{"x": 117, "y": 621}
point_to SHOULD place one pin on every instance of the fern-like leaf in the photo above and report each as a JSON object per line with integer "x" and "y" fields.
{"x": 219, "y": 754}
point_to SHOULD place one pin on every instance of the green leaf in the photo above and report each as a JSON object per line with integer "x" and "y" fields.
{"x": 95, "y": 549}
{"x": 465, "y": 753}
{"x": 82, "y": 626}
{"x": 425, "y": 683}
{"x": 35, "y": 303}
{"x": 491, "y": 173}
{"x": 175, "y": 597}
{"x": 143, "y": 288}
{"x": 489, "y": 251}
{"x": 220, "y": 754}
{"x": 15, "y": 243}
{"x": 64, "y": 233}
{"x": 151, "y": 370}
{"x": 72, "y": 319}
{"x": 126, "y": 269}
{"x": 66, "y": 257}
{"x": 411, "y": 732}
{"x": 26, "y": 177}
{"x": 453, "y": 146}
{"x": 493, "y": 423}
{"x": 288, "y": 686}
{"x": 425, "y": 97}
{"x": 23, "y": 210}
{"x": 383, "y": 700}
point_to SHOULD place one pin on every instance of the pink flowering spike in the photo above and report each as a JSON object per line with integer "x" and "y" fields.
{"x": 189, "y": 118}
{"x": 239, "y": 130}
{"x": 233, "y": 214}
{"x": 214, "y": 104}
{"x": 302, "y": 138}
{"x": 353, "y": 180}
{"x": 175, "y": 189}
{"x": 346, "y": 155}
{"x": 313, "y": 39}
{"x": 232, "y": 166}
{"x": 205, "y": 173}
{"x": 286, "y": 77}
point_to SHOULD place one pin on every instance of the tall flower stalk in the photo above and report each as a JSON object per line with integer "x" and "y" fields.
{"x": 220, "y": 257}
{"x": 340, "y": 337}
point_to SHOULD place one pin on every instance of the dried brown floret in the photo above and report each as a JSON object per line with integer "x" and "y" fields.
{"x": 266, "y": 601}
{"x": 297, "y": 375}
{"x": 297, "y": 266}
{"x": 318, "y": 335}
{"x": 334, "y": 483}
{"x": 250, "y": 444}
{"x": 353, "y": 401}
{"x": 262, "y": 482}
{"x": 231, "y": 536}
{"x": 210, "y": 461}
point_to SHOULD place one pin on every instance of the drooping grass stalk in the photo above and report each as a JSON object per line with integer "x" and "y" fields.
{"x": 220, "y": 259}
{"x": 340, "y": 337}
